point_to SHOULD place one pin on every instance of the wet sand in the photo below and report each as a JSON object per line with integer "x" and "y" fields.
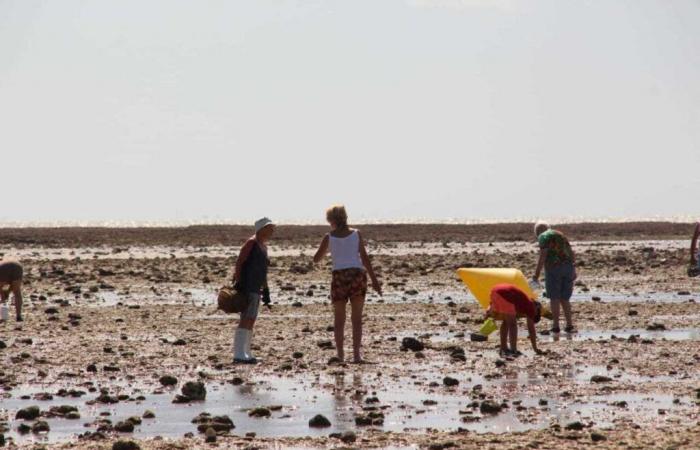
{"x": 110, "y": 312}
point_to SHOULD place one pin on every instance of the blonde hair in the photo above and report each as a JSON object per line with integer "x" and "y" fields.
{"x": 337, "y": 215}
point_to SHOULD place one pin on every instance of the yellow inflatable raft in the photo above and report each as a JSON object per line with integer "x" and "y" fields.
{"x": 481, "y": 281}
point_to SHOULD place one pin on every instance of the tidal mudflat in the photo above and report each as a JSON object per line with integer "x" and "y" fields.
{"x": 122, "y": 343}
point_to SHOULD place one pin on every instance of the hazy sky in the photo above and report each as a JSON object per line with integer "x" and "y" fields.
{"x": 438, "y": 109}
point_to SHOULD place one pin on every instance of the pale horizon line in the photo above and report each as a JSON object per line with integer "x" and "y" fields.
{"x": 362, "y": 221}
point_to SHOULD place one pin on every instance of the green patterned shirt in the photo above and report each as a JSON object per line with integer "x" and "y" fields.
{"x": 558, "y": 248}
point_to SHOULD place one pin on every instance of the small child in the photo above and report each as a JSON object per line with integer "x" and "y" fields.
{"x": 507, "y": 304}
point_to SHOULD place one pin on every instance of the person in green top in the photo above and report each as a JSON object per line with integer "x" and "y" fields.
{"x": 558, "y": 260}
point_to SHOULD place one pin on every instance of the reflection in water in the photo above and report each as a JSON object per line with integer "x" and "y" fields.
{"x": 510, "y": 383}
{"x": 344, "y": 404}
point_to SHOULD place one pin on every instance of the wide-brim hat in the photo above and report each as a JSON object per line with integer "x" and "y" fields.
{"x": 262, "y": 223}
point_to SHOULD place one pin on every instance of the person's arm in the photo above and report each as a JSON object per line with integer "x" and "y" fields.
{"x": 694, "y": 245}
{"x": 242, "y": 257}
{"x": 376, "y": 285}
{"x": 533, "y": 335}
{"x": 322, "y": 250}
{"x": 540, "y": 264}
{"x": 266, "y": 296}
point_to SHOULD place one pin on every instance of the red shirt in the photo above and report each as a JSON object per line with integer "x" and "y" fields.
{"x": 519, "y": 299}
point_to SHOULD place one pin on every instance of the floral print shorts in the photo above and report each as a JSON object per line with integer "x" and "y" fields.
{"x": 347, "y": 284}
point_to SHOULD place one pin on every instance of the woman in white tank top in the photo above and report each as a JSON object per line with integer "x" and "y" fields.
{"x": 351, "y": 266}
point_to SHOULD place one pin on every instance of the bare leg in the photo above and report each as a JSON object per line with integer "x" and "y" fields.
{"x": 357, "y": 304}
{"x": 17, "y": 294}
{"x": 513, "y": 333}
{"x": 566, "y": 306}
{"x": 504, "y": 336}
{"x": 554, "y": 304}
{"x": 339, "y": 328}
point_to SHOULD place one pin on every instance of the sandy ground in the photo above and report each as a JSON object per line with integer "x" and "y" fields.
{"x": 112, "y": 311}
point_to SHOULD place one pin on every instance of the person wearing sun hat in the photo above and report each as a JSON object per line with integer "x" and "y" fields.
{"x": 250, "y": 277}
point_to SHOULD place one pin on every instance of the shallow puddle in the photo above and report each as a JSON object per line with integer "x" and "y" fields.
{"x": 406, "y": 407}
{"x": 388, "y": 249}
{"x": 680, "y": 334}
{"x": 616, "y": 297}
{"x": 460, "y": 336}
{"x": 207, "y": 297}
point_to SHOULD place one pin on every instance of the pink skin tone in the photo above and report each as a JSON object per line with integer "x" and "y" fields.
{"x": 262, "y": 236}
{"x": 509, "y": 333}
{"x": 356, "y": 303}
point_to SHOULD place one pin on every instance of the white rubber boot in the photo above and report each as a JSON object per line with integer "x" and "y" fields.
{"x": 239, "y": 343}
{"x": 248, "y": 341}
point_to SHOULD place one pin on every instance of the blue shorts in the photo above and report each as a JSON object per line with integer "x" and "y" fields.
{"x": 559, "y": 281}
{"x": 251, "y": 312}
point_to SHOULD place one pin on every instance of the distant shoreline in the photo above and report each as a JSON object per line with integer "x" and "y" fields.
{"x": 233, "y": 235}
{"x": 9, "y": 224}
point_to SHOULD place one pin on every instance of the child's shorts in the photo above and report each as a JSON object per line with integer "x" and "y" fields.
{"x": 501, "y": 309}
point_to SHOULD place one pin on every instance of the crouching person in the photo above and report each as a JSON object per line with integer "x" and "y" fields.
{"x": 508, "y": 303}
{"x": 11, "y": 275}
{"x": 250, "y": 277}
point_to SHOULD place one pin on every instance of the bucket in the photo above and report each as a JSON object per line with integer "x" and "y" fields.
{"x": 488, "y": 327}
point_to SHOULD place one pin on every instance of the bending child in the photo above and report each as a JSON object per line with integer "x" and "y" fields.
{"x": 508, "y": 303}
